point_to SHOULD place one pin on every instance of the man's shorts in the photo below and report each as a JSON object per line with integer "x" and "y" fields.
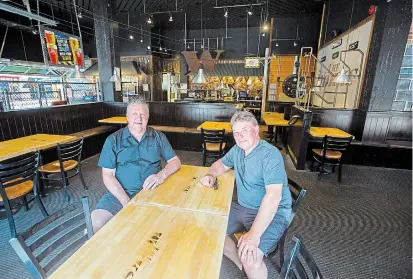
{"x": 110, "y": 203}
{"x": 242, "y": 218}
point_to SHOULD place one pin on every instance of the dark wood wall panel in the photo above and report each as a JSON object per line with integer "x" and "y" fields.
{"x": 384, "y": 126}
{"x": 178, "y": 114}
{"x": 61, "y": 120}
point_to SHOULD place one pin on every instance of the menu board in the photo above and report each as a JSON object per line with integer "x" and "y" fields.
{"x": 60, "y": 48}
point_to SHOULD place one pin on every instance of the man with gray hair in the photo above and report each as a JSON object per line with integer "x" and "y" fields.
{"x": 131, "y": 161}
{"x": 263, "y": 207}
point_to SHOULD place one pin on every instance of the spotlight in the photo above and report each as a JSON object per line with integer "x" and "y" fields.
{"x": 131, "y": 37}
{"x": 79, "y": 15}
{"x": 226, "y": 12}
{"x": 295, "y": 44}
{"x": 34, "y": 32}
{"x": 249, "y": 11}
{"x": 148, "y": 47}
{"x": 160, "y": 48}
{"x": 141, "y": 40}
{"x": 165, "y": 49}
{"x": 188, "y": 46}
{"x": 170, "y": 17}
{"x": 265, "y": 26}
{"x": 276, "y": 44}
{"x": 263, "y": 34}
{"x": 150, "y": 19}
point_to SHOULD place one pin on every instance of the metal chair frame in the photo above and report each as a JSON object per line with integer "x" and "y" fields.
{"x": 65, "y": 152}
{"x": 78, "y": 224}
{"x": 16, "y": 171}
{"x": 212, "y": 136}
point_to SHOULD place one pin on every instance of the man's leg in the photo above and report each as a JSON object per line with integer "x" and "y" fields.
{"x": 256, "y": 269}
{"x": 99, "y": 218}
{"x": 106, "y": 208}
{"x": 231, "y": 251}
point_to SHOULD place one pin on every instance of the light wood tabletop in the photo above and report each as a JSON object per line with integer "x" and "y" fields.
{"x": 115, "y": 120}
{"x": 239, "y": 106}
{"x": 274, "y": 119}
{"x": 210, "y": 125}
{"x": 321, "y": 132}
{"x": 16, "y": 147}
{"x": 144, "y": 241}
{"x": 183, "y": 190}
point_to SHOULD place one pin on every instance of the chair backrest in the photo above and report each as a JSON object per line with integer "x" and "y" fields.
{"x": 213, "y": 136}
{"x": 336, "y": 143}
{"x": 297, "y": 193}
{"x": 293, "y": 267}
{"x": 51, "y": 240}
{"x": 18, "y": 170}
{"x": 70, "y": 151}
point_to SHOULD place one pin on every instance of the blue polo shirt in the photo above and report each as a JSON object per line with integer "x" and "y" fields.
{"x": 134, "y": 161}
{"x": 263, "y": 166}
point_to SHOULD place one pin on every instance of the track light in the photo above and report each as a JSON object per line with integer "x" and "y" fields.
{"x": 276, "y": 44}
{"x": 295, "y": 44}
{"x": 165, "y": 49}
{"x": 150, "y": 19}
{"x": 148, "y": 47}
{"x": 160, "y": 48}
{"x": 263, "y": 34}
{"x": 226, "y": 12}
{"x": 34, "y": 32}
{"x": 79, "y": 15}
{"x": 249, "y": 11}
{"x": 141, "y": 40}
{"x": 170, "y": 17}
{"x": 131, "y": 37}
{"x": 188, "y": 47}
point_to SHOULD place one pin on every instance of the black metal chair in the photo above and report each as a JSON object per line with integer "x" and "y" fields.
{"x": 297, "y": 193}
{"x": 294, "y": 268}
{"x": 213, "y": 143}
{"x": 331, "y": 154}
{"x": 19, "y": 177}
{"x": 52, "y": 240}
{"x": 69, "y": 155}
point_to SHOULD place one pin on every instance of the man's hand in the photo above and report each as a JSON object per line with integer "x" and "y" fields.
{"x": 248, "y": 247}
{"x": 152, "y": 181}
{"x": 207, "y": 180}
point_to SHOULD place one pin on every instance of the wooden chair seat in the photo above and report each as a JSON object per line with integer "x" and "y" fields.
{"x": 214, "y": 146}
{"x": 54, "y": 166}
{"x": 18, "y": 190}
{"x": 329, "y": 154}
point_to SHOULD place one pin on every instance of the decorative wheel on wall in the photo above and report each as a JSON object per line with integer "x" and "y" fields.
{"x": 290, "y": 86}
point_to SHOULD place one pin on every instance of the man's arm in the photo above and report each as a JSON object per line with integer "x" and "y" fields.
{"x": 152, "y": 181}
{"x": 215, "y": 170}
{"x": 113, "y": 185}
{"x": 266, "y": 213}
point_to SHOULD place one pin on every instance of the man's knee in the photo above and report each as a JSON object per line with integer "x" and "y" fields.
{"x": 99, "y": 218}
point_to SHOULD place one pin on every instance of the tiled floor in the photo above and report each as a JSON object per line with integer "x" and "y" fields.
{"x": 360, "y": 228}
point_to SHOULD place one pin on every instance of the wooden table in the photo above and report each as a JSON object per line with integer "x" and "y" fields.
{"x": 175, "y": 231}
{"x": 209, "y": 125}
{"x": 144, "y": 241}
{"x": 115, "y": 120}
{"x": 183, "y": 190}
{"x": 321, "y": 132}
{"x": 239, "y": 106}
{"x": 16, "y": 147}
{"x": 274, "y": 119}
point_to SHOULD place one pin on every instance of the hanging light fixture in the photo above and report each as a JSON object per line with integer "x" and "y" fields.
{"x": 265, "y": 26}
{"x": 160, "y": 48}
{"x": 276, "y": 44}
{"x": 141, "y": 40}
{"x": 295, "y": 44}
{"x": 263, "y": 34}
{"x": 170, "y": 17}
{"x": 79, "y": 15}
{"x": 342, "y": 78}
{"x": 34, "y": 31}
{"x": 199, "y": 78}
{"x": 148, "y": 47}
{"x": 226, "y": 12}
{"x": 150, "y": 19}
{"x": 114, "y": 77}
{"x": 131, "y": 37}
{"x": 249, "y": 11}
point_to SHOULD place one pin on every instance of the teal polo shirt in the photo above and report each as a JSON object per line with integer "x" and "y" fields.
{"x": 263, "y": 166}
{"x": 134, "y": 161}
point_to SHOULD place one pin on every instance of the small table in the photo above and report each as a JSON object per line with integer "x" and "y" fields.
{"x": 276, "y": 119}
{"x": 114, "y": 120}
{"x": 184, "y": 191}
{"x": 210, "y": 125}
{"x": 321, "y": 132}
{"x": 144, "y": 241}
{"x": 16, "y": 147}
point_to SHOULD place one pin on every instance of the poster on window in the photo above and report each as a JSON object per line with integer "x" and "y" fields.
{"x": 60, "y": 48}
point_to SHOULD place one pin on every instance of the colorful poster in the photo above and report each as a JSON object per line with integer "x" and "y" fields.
{"x": 60, "y": 48}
